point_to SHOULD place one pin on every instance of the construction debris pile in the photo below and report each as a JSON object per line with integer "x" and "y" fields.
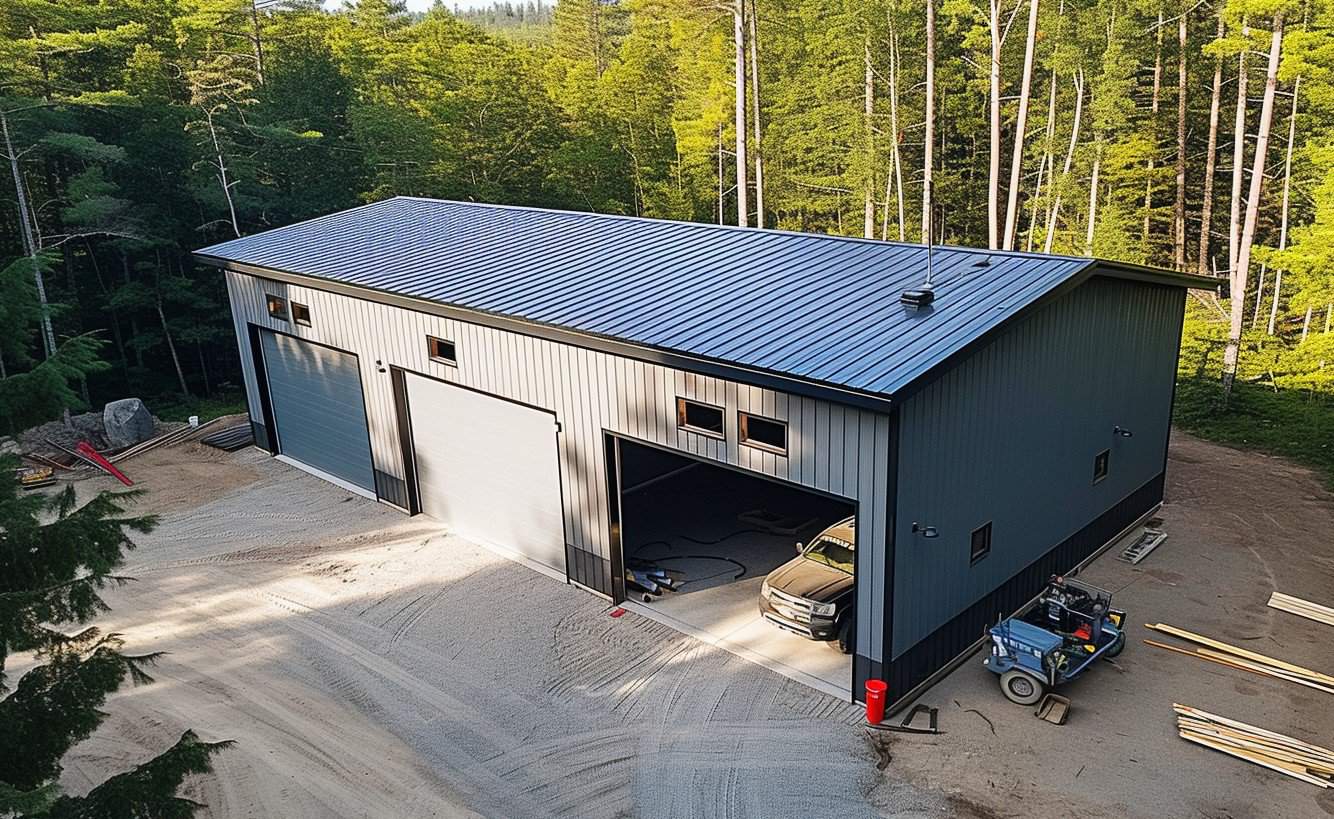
{"x": 96, "y": 442}
{"x": 1268, "y": 749}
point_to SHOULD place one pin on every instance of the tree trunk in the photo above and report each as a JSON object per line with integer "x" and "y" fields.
{"x": 755, "y": 114}
{"x": 929, "y": 137}
{"x": 1065, "y": 169}
{"x": 203, "y": 370}
{"x": 1306, "y": 325}
{"x": 868, "y": 111}
{"x": 222, "y": 173}
{"x": 993, "y": 168}
{"x": 897, "y": 176}
{"x": 171, "y": 346}
{"x": 1238, "y": 158}
{"x": 1153, "y": 132}
{"x": 1287, "y": 189}
{"x": 257, "y": 42}
{"x": 1046, "y": 161}
{"x": 29, "y": 240}
{"x": 1093, "y": 203}
{"x": 1259, "y": 295}
{"x": 1017, "y": 156}
{"x": 739, "y": 43}
{"x": 1238, "y": 291}
{"x": 1179, "y": 207}
{"x": 1210, "y": 164}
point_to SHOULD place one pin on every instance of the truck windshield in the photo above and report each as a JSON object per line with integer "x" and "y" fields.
{"x": 831, "y": 553}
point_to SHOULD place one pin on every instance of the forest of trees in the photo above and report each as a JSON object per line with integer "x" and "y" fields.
{"x": 1173, "y": 133}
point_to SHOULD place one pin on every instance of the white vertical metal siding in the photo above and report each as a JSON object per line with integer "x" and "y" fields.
{"x": 834, "y": 448}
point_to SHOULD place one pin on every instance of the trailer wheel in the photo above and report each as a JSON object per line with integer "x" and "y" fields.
{"x": 1021, "y": 688}
{"x": 1117, "y": 646}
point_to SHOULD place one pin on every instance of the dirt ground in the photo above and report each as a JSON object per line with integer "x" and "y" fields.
{"x": 368, "y": 664}
{"x": 1240, "y": 525}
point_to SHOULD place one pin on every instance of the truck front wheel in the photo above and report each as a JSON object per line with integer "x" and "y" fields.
{"x": 847, "y": 635}
{"x": 1021, "y": 688}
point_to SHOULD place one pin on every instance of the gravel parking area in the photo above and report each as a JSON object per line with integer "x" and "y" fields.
{"x": 373, "y": 665}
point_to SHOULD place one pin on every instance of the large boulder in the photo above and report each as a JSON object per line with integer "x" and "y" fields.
{"x": 126, "y": 422}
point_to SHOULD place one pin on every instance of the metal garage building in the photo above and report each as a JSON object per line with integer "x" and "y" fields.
{"x": 487, "y": 364}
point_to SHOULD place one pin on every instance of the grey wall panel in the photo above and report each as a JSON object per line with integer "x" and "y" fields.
{"x": 1010, "y": 435}
{"x": 833, "y": 448}
{"x": 318, "y": 407}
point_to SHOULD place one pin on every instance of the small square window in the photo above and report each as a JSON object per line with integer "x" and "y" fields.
{"x": 980, "y": 543}
{"x": 1100, "y": 464}
{"x": 763, "y": 433}
{"x": 441, "y": 350}
{"x": 300, "y": 314}
{"x": 277, "y": 306}
{"x": 702, "y": 418}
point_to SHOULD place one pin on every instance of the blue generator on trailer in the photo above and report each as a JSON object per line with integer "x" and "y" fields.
{"x": 1071, "y": 626}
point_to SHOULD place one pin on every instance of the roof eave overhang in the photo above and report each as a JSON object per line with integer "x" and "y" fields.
{"x": 668, "y": 358}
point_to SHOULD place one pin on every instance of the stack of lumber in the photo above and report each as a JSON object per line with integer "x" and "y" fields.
{"x": 1269, "y": 749}
{"x": 232, "y": 438}
{"x": 1223, "y": 654}
{"x": 1302, "y": 608}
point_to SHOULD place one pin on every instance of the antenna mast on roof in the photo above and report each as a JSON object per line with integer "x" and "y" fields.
{"x": 921, "y": 298}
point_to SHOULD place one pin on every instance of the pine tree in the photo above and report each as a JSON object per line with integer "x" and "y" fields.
{"x": 55, "y": 558}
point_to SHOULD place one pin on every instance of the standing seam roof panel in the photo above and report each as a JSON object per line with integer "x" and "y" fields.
{"x": 818, "y": 308}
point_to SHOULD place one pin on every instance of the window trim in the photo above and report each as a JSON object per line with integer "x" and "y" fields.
{"x": 975, "y": 557}
{"x": 283, "y": 313}
{"x": 743, "y": 429}
{"x": 681, "y": 403}
{"x": 292, "y": 309}
{"x": 431, "y": 341}
{"x": 1103, "y": 459}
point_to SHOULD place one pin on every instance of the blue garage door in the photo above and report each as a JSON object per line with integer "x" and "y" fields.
{"x": 318, "y": 408}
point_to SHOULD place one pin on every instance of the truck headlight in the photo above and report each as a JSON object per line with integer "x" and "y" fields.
{"x": 823, "y": 609}
{"x": 764, "y": 589}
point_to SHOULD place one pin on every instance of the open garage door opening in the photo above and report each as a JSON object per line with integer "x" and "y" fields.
{"x": 757, "y": 566}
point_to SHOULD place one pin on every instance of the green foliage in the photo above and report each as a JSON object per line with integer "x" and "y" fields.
{"x": 1290, "y": 423}
{"x": 55, "y": 557}
{"x": 38, "y": 395}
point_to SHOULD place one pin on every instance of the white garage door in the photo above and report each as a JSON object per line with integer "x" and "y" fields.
{"x": 487, "y": 468}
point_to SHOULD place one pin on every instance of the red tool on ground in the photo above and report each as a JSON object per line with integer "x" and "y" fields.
{"x": 86, "y": 450}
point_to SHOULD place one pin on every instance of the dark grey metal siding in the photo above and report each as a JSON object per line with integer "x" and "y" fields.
{"x": 819, "y": 308}
{"x": 1010, "y": 435}
{"x": 318, "y": 407}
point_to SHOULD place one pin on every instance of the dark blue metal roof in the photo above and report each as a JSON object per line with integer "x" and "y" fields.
{"x": 816, "y": 308}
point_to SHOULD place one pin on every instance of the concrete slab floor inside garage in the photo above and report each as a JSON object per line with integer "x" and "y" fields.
{"x": 696, "y": 521}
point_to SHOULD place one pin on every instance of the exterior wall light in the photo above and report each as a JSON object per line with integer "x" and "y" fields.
{"x": 1122, "y": 431}
{"x": 924, "y": 530}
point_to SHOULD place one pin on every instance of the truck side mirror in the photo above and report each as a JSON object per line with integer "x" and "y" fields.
{"x": 801, "y": 547}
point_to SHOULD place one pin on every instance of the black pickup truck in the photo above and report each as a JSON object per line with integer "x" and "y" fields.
{"x": 811, "y": 595}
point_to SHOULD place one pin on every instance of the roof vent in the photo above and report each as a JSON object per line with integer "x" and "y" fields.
{"x": 985, "y": 261}
{"x": 919, "y": 298}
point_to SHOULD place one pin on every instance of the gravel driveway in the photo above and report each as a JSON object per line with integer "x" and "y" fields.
{"x": 373, "y": 665}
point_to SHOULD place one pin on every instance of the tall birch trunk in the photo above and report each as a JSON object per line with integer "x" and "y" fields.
{"x": 868, "y": 112}
{"x": 1238, "y": 291}
{"x": 1306, "y": 325}
{"x": 29, "y": 240}
{"x": 1238, "y": 158}
{"x": 897, "y": 176}
{"x": 1179, "y": 207}
{"x": 1283, "y": 218}
{"x": 1021, "y": 123}
{"x": 1046, "y": 161}
{"x": 1093, "y": 202}
{"x": 755, "y": 114}
{"x": 739, "y": 43}
{"x": 1055, "y": 213}
{"x": 1153, "y": 129}
{"x": 929, "y": 138}
{"x": 993, "y": 169}
{"x": 1210, "y": 163}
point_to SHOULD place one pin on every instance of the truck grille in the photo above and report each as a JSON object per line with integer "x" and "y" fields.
{"x": 798, "y": 608}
